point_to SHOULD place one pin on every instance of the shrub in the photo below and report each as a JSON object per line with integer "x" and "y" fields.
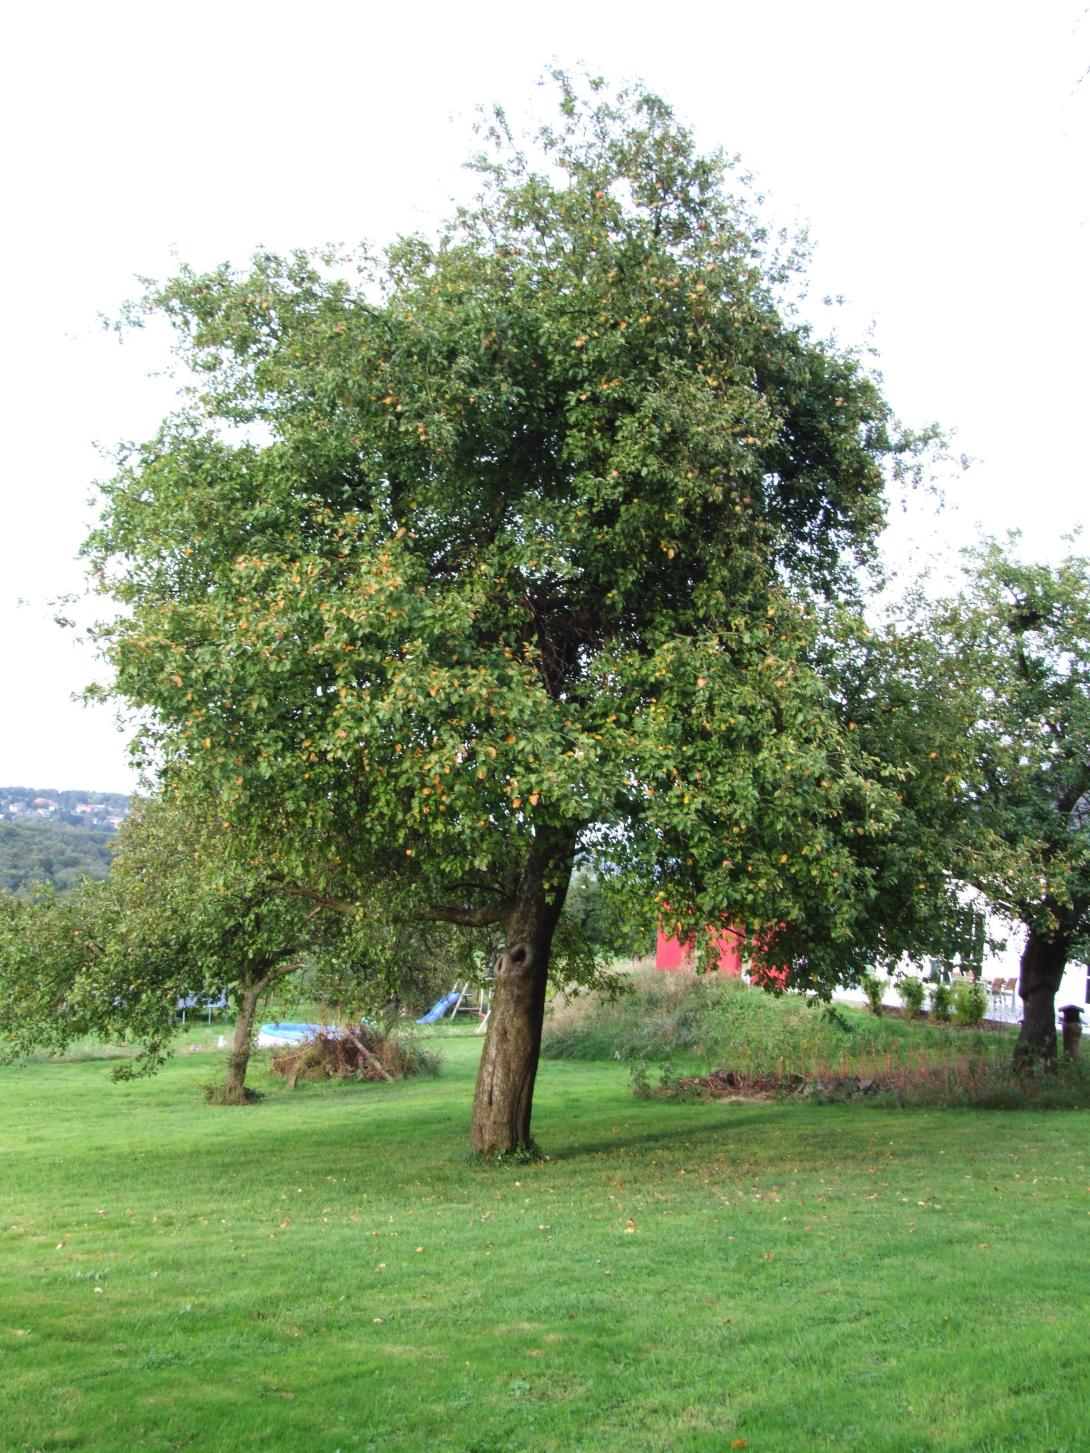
{"x": 874, "y": 989}
{"x": 911, "y": 991}
{"x": 671, "y": 1085}
{"x": 970, "y": 1002}
{"x": 942, "y": 1003}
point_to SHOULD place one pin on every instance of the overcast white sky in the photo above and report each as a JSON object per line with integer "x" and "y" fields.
{"x": 939, "y": 154}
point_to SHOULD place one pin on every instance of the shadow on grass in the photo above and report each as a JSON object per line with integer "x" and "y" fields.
{"x": 743, "y": 1121}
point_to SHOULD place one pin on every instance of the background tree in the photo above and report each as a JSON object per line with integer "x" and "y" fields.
{"x": 894, "y": 689}
{"x": 482, "y": 558}
{"x": 45, "y": 942}
{"x": 1007, "y": 660}
{"x": 178, "y": 918}
{"x": 34, "y": 854}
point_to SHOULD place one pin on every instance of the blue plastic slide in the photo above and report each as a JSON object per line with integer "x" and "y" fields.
{"x": 438, "y": 1009}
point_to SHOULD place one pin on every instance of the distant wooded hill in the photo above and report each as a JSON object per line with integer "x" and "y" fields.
{"x": 56, "y": 837}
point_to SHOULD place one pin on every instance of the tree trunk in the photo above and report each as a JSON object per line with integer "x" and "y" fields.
{"x": 505, "y": 1081}
{"x": 1042, "y": 968}
{"x": 234, "y": 1084}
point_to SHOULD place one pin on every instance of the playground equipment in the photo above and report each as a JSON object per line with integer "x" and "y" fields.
{"x": 463, "y": 998}
{"x": 439, "y": 1008}
{"x": 214, "y": 1004}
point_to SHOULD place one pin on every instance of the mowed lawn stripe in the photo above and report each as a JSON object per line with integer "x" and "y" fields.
{"x": 327, "y": 1270}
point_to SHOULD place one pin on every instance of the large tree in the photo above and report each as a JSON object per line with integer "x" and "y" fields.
{"x": 493, "y": 553}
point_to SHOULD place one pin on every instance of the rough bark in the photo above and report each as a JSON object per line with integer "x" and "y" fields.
{"x": 234, "y": 1083}
{"x": 505, "y": 1081}
{"x": 1042, "y": 968}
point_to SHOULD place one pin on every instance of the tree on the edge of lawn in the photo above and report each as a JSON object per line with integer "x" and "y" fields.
{"x": 177, "y": 918}
{"x": 890, "y": 688}
{"x": 44, "y": 945}
{"x": 1007, "y": 660}
{"x": 493, "y": 555}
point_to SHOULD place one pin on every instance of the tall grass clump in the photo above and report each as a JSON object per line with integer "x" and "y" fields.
{"x": 985, "y": 1083}
{"x": 720, "y": 1022}
{"x": 217, "y": 1093}
{"x": 650, "y": 1016}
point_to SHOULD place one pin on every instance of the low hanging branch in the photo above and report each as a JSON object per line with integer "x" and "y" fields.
{"x": 467, "y": 917}
{"x": 441, "y": 913}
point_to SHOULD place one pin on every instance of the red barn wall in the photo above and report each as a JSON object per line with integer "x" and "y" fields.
{"x": 673, "y": 957}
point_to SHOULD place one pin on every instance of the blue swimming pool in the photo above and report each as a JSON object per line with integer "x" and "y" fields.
{"x": 271, "y": 1035}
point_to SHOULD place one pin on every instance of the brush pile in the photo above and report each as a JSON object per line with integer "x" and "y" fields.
{"x": 356, "y": 1052}
{"x": 724, "y": 1084}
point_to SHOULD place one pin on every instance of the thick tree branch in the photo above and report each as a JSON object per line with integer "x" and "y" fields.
{"x": 467, "y": 917}
{"x": 369, "y": 1058}
{"x": 282, "y": 971}
{"x": 343, "y": 906}
{"x": 443, "y": 913}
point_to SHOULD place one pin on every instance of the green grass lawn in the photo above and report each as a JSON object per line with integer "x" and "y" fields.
{"x": 326, "y": 1270}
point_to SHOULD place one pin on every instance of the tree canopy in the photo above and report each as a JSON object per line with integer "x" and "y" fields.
{"x": 496, "y": 551}
{"x": 1006, "y": 663}
{"x": 178, "y": 918}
